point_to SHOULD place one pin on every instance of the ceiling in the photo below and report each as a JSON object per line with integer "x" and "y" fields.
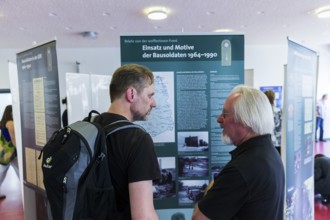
{"x": 27, "y": 22}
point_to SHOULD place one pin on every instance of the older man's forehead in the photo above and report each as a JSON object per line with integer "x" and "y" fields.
{"x": 229, "y": 101}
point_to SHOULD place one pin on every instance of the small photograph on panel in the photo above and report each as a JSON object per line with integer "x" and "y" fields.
{"x": 193, "y": 141}
{"x": 166, "y": 186}
{"x": 193, "y": 166}
{"x": 191, "y": 191}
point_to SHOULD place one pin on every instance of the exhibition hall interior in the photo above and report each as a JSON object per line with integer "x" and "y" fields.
{"x": 60, "y": 55}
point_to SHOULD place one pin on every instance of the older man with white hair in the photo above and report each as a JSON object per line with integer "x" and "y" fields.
{"x": 251, "y": 185}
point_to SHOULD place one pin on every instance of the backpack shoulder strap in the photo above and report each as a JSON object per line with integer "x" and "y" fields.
{"x": 120, "y": 125}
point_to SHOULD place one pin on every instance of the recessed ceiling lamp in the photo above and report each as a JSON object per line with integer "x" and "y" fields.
{"x": 157, "y": 15}
{"x": 156, "y": 12}
{"x": 323, "y": 12}
{"x": 223, "y": 30}
{"x": 90, "y": 34}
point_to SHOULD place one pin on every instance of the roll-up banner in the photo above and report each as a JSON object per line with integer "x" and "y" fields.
{"x": 299, "y": 132}
{"x": 193, "y": 76}
{"x": 39, "y": 106}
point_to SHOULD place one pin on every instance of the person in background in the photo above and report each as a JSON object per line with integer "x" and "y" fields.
{"x": 65, "y": 113}
{"x": 322, "y": 177}
{"x": 251, "y": 185}
{"x": 132, "y": 159}
{"x": 7, "y": 129}
{"x": 277, "y": 112}
{"x": 320, "y": 116}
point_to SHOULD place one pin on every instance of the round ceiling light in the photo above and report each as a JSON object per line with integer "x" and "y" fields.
{"x": 225, "y": 30}
{"x": 157, "y": 15}
{"x": 323, "y": 12}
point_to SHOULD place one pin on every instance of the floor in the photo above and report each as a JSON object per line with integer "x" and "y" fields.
{"x": 12, "y": 208}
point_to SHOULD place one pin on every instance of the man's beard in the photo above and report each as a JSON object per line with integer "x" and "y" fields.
{"x": 139, "y": 116}
{"x": 226, "y": 139}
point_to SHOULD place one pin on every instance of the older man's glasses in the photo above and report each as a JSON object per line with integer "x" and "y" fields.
{"x": 224, "y": 113}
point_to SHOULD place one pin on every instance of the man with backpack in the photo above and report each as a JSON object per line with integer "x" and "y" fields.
{"x": 102, "y": 167}
{"x": 131, "y": 156}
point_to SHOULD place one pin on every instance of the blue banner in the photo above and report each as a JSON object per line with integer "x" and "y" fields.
{"x": 300, "y": 90}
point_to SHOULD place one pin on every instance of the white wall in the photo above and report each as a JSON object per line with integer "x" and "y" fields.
{"x": 5, "y": 56}
{"x": 101, "y": 61}
{"x": 267, "y": 61}
{"x": 264, "y": 59}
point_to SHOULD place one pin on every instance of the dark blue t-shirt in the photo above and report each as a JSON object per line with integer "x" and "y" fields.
{"x": 5, "y": 133}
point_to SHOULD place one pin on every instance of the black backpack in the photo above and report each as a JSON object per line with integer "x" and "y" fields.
{"x": 75, "y": 170}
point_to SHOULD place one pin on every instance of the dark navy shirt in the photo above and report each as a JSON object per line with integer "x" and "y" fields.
{"x": 5, "y": 133}
{"x": 250, "y": 186}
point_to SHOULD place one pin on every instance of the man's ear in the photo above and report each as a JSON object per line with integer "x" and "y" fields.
{"x": 130, "y": 94}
